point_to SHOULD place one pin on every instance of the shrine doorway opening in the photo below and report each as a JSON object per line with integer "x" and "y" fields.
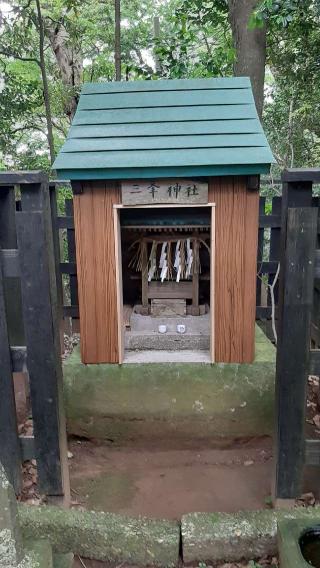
{"x": 165, "y": 280}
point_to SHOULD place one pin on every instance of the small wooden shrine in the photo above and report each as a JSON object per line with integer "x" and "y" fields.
{"x": 165, "y": 176}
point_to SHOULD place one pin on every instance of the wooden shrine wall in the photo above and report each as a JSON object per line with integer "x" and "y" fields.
{"x": 95, "y": 246}
{"x": 235, "y": 268}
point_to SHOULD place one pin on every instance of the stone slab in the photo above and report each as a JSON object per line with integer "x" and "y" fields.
{"x": 180, "y": 402}
{"x": 224, "y": 537}
{"x": 170, "y": 341}
{"x": 194, "y": 324}
{"x": 104, "y": 536}
{"x": 181, "y": 356}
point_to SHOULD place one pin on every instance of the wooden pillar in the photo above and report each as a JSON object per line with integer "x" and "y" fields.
{"x": 71, "y": 242}
{"x": 144, "y": 277}
{"x": 275, "y": 242}
{"x": 12, "y": 289}
{"x": 10, "y": 452}
{"x": 237, "y": 222}
{"x": 289, "y": 427}
{"x": 195, "y": 276}
{"x": 262, "y": 202}
{"x": 96, "y": 270}
{"x": 41, "y": 321}
{"x": 297, "y": 280}
{"x": 56, "y": 248}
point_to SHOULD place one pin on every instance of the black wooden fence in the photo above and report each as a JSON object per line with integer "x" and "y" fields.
{"x": 298, "y": 304}
{"x": 29, "y": 283}
{"x": 30, "y": 280}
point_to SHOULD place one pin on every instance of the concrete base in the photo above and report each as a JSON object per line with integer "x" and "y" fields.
{"x": 104, "y": 536}
{"x": 220, "y": 537}
{"x": 171, "y": 403}
{"x": 206, "y": 538}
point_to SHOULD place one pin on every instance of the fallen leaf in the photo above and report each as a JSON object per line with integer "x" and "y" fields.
{"x": 316, "y": 420}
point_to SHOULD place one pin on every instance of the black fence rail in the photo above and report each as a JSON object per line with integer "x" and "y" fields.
{"x": 29, "y": 329}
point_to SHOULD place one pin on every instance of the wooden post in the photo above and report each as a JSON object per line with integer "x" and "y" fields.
{"x": 297, "y": 273}
{"x": 262, "y": 201}
{"x": 10, "y": 453}
{"x": 275, "y": 242}
{"x": 71, "y": 242}
{"x": 56, "y": 248}
{"x": 195, "y": 276}
{"x": 41, "y": 320}
{"x": 12, "y": 289}
{"x": 144, "y": 276}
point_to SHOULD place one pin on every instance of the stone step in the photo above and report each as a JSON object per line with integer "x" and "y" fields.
{"x": 194, "y": 324}
{"x": 137, "y": 341}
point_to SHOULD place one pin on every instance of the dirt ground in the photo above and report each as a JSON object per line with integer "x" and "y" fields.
{"x": 168, "y": 484}
{"x": 261, "y": 563}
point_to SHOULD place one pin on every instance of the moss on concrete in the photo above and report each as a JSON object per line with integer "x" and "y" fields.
{"x": 106, "y": 491}
{"x": 229, "y": 537}
{"x": 104, "y": 536}
{"x": 289, "y": 533}
{"x": 183, "y": 402}
{"x": 39, "y": 553}
{"x": 63, "y": 560}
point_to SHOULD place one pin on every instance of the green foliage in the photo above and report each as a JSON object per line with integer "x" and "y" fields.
{"x": 292, "y": 112}
{"x": 195, "y": 41}
{"x": 64, "y": 192}
{"x": 276, "y": 12}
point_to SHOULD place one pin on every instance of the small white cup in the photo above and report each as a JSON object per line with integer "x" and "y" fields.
{"x": 181, "y": 328}
{"x": 162, "y": 328}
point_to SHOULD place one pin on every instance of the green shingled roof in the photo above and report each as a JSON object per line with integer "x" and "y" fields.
{"x": 165, "y": 128}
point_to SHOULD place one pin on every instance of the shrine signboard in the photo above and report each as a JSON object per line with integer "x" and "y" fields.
{"x": 164, "y": 191}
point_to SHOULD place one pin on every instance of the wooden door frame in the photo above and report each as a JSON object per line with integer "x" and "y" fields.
{"x": 118, "y": 256}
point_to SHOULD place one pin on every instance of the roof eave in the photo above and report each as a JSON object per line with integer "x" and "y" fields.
{"x": 165, "y": 172}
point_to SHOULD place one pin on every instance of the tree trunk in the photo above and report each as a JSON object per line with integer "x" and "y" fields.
{"x": 70, "y": 63}
{"x": 117, "y": 39}
{"x": 250, "y": 45}
{"x": 46, "y": 94}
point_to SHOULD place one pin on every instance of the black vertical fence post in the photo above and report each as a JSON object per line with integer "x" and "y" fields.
{"x": 71, "y": 241}
{"x": 262, "y": 202}
{"x": 315, "y": 318}
{"x": 12, "y": 289}
{"x": 297, "y": 272}
{"x": 41, "y": 321}
{"x": 56, "y": 248}
{"x": 10, "y": 302}
{"x": 275, "y": 241}
{"x": 10, "y": 453}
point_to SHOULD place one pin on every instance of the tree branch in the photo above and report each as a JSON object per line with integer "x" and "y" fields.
{"x": 20, "y": 57}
